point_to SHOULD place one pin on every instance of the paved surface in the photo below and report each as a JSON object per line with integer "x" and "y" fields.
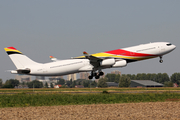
{"x": 126, "y": 111}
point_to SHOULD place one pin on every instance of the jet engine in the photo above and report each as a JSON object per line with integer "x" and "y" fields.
{"x": 121, "y": 63}
{"x": 107, "y": 62}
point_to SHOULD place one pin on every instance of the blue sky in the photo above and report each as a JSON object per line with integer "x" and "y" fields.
{"x": 65, "y": 29}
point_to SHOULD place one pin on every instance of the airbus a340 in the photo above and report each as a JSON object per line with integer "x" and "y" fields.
{"x": 93, "y": 63}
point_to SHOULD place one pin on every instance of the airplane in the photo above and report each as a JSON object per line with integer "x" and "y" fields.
{"x": 93, "y": 63}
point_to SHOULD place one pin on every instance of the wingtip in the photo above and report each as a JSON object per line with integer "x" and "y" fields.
{"x": 51, "y": 57}
{"x": 85, "y": 52}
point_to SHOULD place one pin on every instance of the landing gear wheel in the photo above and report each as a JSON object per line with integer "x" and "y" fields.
{"x": 161, "y": 61}
{"x": 90, "y": 77}
{"x": 97, "y": 77}
{"x": 101, "y": 73}
{"x": 95, "y": 74}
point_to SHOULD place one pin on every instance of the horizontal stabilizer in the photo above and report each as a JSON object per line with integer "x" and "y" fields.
{"x": 21, "y": 71}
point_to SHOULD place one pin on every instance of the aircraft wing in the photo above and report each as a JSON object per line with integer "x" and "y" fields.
{"x": 95, "y": 61}
{"x": 91, "y": 57}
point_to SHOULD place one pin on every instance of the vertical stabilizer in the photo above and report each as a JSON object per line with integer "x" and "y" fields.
{"x": 20, "y": 60}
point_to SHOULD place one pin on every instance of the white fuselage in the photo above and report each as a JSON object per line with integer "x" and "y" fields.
{"x": 64, "y": 67}
{"x": 60, "y": 67}
{"x": 157, "y": 48}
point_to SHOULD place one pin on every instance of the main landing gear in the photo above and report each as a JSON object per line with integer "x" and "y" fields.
{"x": 161, "y": 61}
{"x": 96, "y": 75}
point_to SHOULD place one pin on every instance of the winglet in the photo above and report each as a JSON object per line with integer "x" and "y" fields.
{"x": 85, "y": 53}
{"x": 53, "y": 58}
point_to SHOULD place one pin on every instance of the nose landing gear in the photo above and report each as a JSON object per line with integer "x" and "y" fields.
{"x": 161, "y": 61}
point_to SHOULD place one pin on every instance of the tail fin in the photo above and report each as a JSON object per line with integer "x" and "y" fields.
{"x": 19, "y": 60}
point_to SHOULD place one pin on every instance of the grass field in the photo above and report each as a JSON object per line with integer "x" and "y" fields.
{"x": 64, "y": 90}
{"x": 23, "y": 99}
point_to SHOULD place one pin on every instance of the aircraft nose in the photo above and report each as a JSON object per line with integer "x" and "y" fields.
{"x": 174, "y": 47}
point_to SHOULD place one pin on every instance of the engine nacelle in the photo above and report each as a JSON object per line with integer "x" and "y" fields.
{"x": 121, "y": 63}
{"x": 108, "y": 62}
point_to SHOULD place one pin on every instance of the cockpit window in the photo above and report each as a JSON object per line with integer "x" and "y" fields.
{"x": 169, "y": 44}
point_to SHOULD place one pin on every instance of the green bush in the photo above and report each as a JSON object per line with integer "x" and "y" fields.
{"x": 24, "y": 100}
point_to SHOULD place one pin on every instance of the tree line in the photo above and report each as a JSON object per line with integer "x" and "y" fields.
{"x": 11, "y": 83}
{"x": 123, "y": 80}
